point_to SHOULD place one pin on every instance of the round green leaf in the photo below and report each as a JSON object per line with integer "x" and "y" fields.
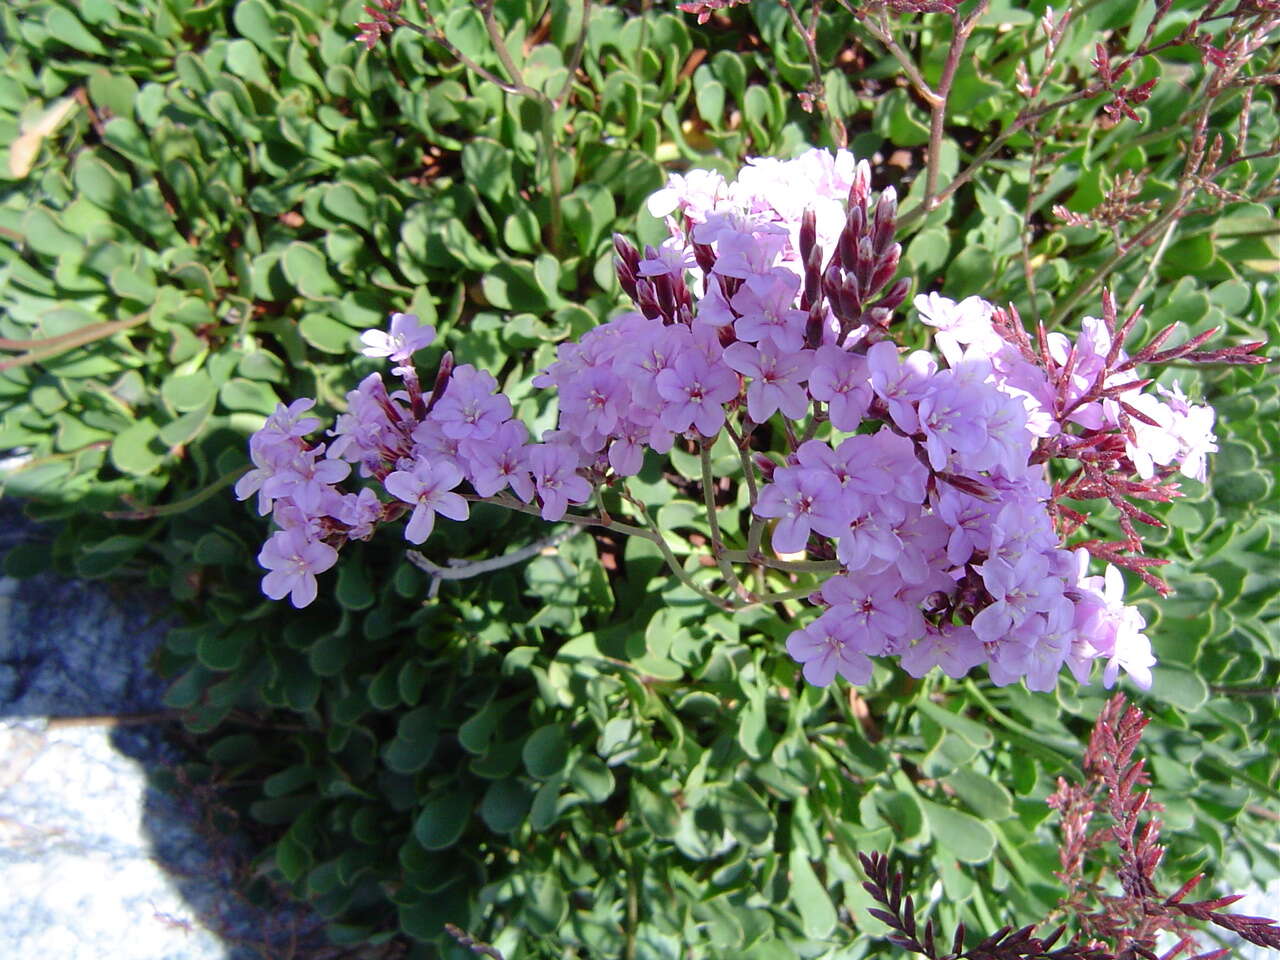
{"x": 591, "y": 778}
{"x": 326, "y": 334}
{"x": 442, "y": 820}
{"x": 190, "y": 392}
{"x": 968, "y": 838}
{"x": 223, "y": 651}
{"x": 307, "y": 269}
{"x": 505, "y": 805}
{"x": 133, "y": 452}
{"x": 546, "y": 751}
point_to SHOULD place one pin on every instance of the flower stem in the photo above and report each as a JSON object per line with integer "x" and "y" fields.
{"x": 654, "y": 535}
{"x": 717, "y": 540}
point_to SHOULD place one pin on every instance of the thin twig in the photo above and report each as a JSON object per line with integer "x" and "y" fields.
{"x": 466, "y": 570}
{"x": 938, "y": 107}
{"x": 713, "y": 520}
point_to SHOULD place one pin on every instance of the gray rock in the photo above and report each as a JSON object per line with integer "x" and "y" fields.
{"x": 95, "y": 860}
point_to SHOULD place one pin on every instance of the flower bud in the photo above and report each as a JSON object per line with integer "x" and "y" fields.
{"x": 808, "y": 233}
{"x": 647, "y": 299}
{"x": 812, "y": 276}
{"x": 442, "y": 381}
{"x": 765, "y": 465}
{"x": 705, "y": 255}
{"x": 897, "y": 293}
{"x": 885, "y": 268}
{"x": 886, "y": 220}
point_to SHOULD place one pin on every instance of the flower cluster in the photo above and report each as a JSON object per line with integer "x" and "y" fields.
{"x": 918, "y": 481}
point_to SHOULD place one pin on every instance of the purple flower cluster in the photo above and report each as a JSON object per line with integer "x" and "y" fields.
{"x": 420, "y": 446}
{"x": 921, "y": 479}
{"x": 1157, "y": 432}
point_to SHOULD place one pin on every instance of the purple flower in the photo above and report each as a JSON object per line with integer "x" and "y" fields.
{"x": 592, "y": 402}
{"x": 469, "y": 408}
{"x": 825, "y": 649}
{"x": 775, "y": 379}
{"x": 293, "y": 560}
{"x": 501, "y": 463}
{"x": 766, "y": 304}
{"x": 796, "y": 495}
{"x": 872, "y": 617}
{"x": 673, "y": 259}
{"x": 407, "y": 335}
{"x": 839, "y": 378}
{"x": 554, "y": 467}
{"x": 952, "y": 419}
{"x": 427, "y": 487}
{"x": 900, "y": 385}
{"x": 306, "y": 479}
{"x": 696, "y": 392}
{"x": 952, "y": 647}
{"x": 360, "y": 512}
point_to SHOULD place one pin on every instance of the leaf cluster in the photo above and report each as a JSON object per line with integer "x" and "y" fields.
{"x": 578, "y": 755}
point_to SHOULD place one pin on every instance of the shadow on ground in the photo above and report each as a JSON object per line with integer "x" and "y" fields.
{"x": 98, "y": 857}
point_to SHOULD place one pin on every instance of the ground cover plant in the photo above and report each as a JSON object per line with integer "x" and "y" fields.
{"x": 206, "y": 205}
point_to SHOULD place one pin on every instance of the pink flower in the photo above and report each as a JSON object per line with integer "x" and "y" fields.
{"x": 776, "y": 379}
{"x": 407, "y": 335}
{"x": 427, "y": 486}
{"x": 294, "y": 559}
{"x": 696, "y": 392}
{"x": 825, "y": 649}
{"x": 554, "y": 467}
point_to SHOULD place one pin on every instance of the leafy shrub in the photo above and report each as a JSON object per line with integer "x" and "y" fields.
{"x": 577, "y": 754}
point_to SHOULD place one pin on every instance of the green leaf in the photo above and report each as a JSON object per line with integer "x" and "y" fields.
{"x": 114, "y": 91}
{"x": 1187, "y": 256}
{"x": 522, "y": 232}
{"x": 134, "y": 450}
{"x": 292, "y": 858}
{"x": 442, "y": 820}
{"x": 190, "y": 392}
{"x": 898, "y": 120}
{"x": 403, "y": 755}
{"x": 545, "y": 905}
{"x": 306, "y": 268}
{"x": 244, "y": 60}
{"x": 253, "y": 19}
{"x": 546, "y": 751}
{"x": 1182, "y": 688}
{"x": 355, "y": 591}
{"x": 487, "y": 165}
{"x": 591, "y": 778}
{"x": 971, "y": 731}
{"x": 709, "y": 94}
{"x": 326, "y": 334}
{"x": 546, "y": 804}
{"x": 65, "y": 28}
{"x": 817, "y": 914}
{"x": 746, "y": 815}
{"x": 344, "y": 202}
{"x": 589, "y": 212}
{"x": 657, "y": 811}
{"x": 968, "y": 838}
{"x": 984, "y": 796}
{"x": 224, "y": 651}
{"x": 249, "y": 395}
{"x": 505, "y": 805}
{"x": 899, "y": 809}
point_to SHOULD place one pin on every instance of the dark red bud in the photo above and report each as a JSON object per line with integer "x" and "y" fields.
{"x": 442, "y": 381}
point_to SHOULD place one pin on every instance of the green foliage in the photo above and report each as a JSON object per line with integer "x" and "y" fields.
{"x": 564, "y": 758}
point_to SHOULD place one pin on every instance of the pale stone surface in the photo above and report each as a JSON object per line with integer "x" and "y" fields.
{"x": 95, "y": 861}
